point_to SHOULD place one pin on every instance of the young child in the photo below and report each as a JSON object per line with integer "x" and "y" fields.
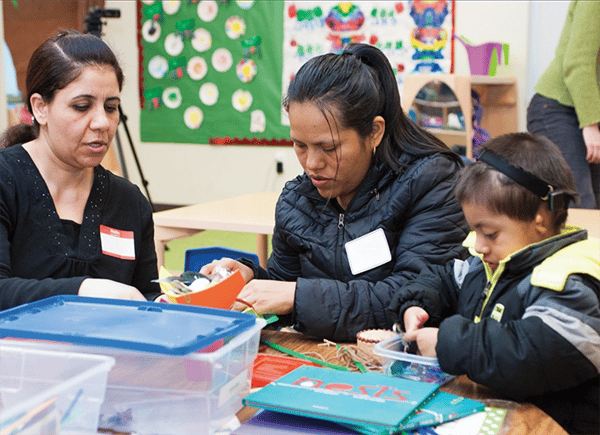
{"x": 522, "y": 314}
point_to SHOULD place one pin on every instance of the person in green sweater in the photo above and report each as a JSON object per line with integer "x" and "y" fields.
{"x": 566, "y": 106}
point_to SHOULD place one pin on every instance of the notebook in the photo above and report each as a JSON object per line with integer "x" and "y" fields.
{"x": 372, "y": 398}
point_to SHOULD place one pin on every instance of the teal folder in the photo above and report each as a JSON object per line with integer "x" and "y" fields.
{"x": 373, "y": 399}
{"x": 439, "y": 408}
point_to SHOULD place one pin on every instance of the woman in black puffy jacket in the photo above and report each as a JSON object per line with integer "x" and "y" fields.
{"x": 374, "y": 206}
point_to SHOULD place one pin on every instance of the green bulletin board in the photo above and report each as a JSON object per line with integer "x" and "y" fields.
{"x": 210, "y": 72}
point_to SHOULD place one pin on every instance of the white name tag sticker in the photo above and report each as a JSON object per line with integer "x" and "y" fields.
{"x": 368, "y": 251}
{"x": 117, "y": 243}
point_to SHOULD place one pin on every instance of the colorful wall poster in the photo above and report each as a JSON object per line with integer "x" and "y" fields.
{"x": 216, "y": 71}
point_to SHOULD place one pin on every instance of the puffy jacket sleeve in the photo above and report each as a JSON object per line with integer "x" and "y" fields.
{"x": 435, "y": 290}
{"x": 555, "y": 345}
{"x": 428, "y": 230}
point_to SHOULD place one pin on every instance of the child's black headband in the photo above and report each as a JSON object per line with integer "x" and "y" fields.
{"x": 556, "y": 198}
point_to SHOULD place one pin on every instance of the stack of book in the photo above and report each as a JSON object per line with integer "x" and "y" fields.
{"x": 367, "y": 403}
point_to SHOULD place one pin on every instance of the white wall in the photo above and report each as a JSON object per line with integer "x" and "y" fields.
{"x": 543, "y": 39}
{"x": 188, "y": 173}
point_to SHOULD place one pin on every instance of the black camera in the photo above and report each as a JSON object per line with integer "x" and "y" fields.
{"x": 93, "y": 22}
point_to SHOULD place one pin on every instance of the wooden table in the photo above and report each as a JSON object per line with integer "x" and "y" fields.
{"x": 521, "y": 418}
{"x": 251, "y": 213}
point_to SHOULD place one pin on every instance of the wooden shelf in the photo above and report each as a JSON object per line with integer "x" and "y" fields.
{"x": 440, "y": 104}
{"x": 446, "y": 131}
{"x": 498, "y": 97}
{"x": 487, "y": 80}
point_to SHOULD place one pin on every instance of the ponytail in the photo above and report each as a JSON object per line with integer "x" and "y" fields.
{"x": 404, "y": 136}
{"x": 19, "y": 133}
{"x": 360, "y": 83}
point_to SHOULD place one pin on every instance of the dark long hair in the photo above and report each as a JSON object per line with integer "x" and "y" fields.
{"x": 53, "y": 65}
{"x": 361, "y": 85}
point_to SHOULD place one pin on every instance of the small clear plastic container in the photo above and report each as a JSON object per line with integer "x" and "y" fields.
{"x": 397, "y": 362}
{"x": 50, "y": 392}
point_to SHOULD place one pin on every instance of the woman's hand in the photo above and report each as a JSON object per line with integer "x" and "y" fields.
{"x": 106, "y": 288}
{"x": 414, "y": 318}
{"x": 228, "y": 263}
{"x": 591, "y": 137}
{"x": 267, "y": 297}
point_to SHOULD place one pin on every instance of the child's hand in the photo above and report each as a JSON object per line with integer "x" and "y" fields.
{"x": 414, "y": 318}
{"x": 426, "y": 341}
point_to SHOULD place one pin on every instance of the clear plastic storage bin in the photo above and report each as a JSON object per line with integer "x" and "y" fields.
{"x": 50, "y": 392}
{"x": 397, "y": 362}
{"x": 191, "y": 378}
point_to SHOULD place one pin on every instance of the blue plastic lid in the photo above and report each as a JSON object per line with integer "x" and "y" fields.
{"x": 170, "y": 329}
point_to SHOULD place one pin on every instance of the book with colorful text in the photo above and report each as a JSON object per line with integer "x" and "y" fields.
{"x": 439, "y": 408}
{"x": 372, "y": 399}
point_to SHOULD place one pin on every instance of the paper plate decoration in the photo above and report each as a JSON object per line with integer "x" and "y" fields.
{"x": 172, "y": 97}
{"x": 193, "y": 117}
{"x": 207, "y": 10}
{"x": 222, "y": 59}
{"x": 258, "y": 121}
{"x": 235, "y": 27}
{"x": 173, "y": 44}
{"x": 170, "y": 7}
{"x": 209, "y": 94}
{"x": 241, "y": 100}
{"x": 197, "y": 68}
{"x": 246, "y": 70}
{"x": 158, "y": 67}
{"x": 245, "y": 4}
{"x": 202, "y": 40}
{"x": 150, "y": 31}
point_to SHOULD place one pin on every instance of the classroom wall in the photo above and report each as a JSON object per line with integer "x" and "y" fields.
{"x": 186, "y": 173}
{"x": 190, "y": 173}
{"x": 542, "y": 40}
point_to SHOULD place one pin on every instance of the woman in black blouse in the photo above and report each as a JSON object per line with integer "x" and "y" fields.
{"x": 67, "y": 225}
